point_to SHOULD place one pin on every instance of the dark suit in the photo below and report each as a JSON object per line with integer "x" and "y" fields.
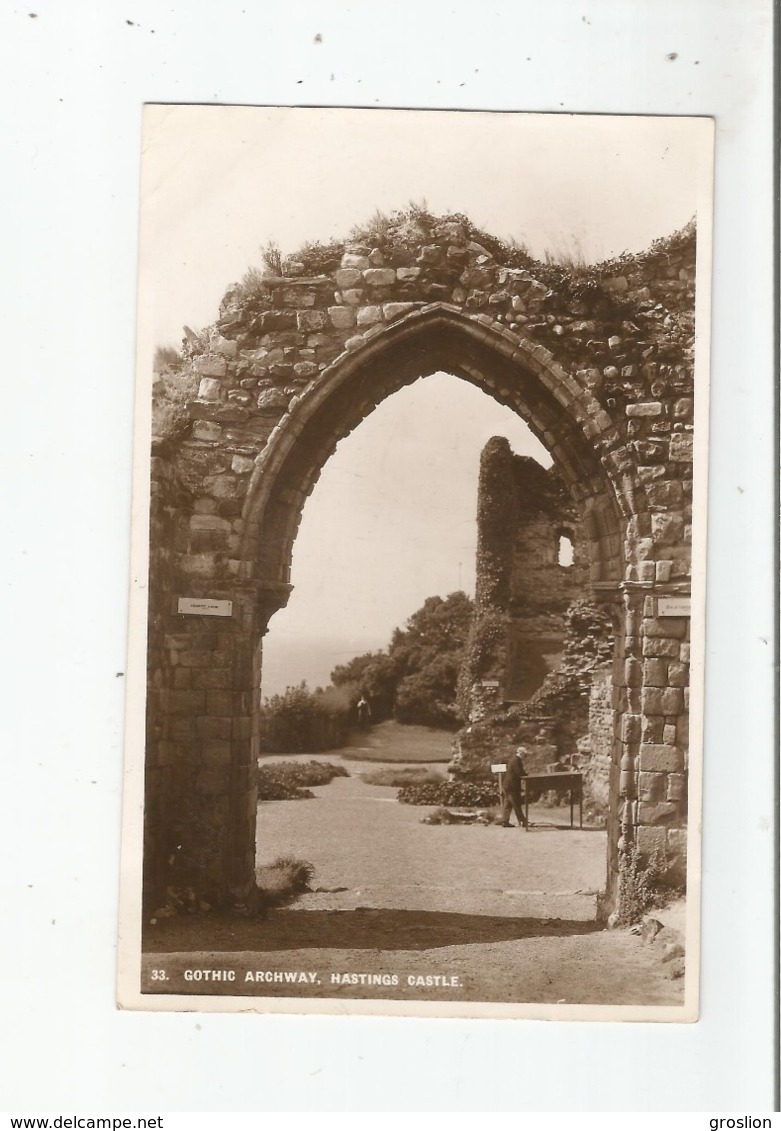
{"x": 511, "y": 790}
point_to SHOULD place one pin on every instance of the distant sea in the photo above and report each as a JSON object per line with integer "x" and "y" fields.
{"x": 289, "y": 660}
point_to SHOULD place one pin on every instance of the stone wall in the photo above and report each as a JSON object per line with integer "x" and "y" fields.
{"x": 598, "y": 362}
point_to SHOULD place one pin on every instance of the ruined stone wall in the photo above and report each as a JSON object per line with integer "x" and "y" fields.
{"x": 599, "y": 362}
{"x": 595, "y": 750}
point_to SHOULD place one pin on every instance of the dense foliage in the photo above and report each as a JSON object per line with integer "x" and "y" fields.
{"x": 287, "y": 781}
{"x": 414, "y": 679}
{"x": 300, "y": 721}
{"x": 466, "y": 793}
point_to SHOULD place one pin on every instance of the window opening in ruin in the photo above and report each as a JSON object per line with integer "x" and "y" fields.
{"x": 565, "y": 551}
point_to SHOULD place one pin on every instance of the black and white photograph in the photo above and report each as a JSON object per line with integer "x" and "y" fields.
{"x": 421, "y": 419}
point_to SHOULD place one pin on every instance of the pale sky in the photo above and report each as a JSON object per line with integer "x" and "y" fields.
{"x": 392, "y": 519}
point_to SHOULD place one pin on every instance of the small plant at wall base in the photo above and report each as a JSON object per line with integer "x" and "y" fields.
{"x": 282, "y": 880}
{"x": 643, "y": 886}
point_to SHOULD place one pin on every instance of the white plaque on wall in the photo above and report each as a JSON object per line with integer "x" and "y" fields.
{"x": 674, "y": 607}
{"x": 205, "y": 607}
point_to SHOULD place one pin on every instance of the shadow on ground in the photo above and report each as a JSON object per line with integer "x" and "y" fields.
{"x": 360, "y": 929}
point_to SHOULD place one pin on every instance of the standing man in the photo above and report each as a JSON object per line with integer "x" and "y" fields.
{"x": 511, "y": 788}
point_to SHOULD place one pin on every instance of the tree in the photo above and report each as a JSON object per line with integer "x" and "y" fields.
{"x": 415, "y": 678}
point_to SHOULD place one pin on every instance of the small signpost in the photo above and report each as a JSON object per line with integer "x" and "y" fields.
{"x": 499, "y": 768}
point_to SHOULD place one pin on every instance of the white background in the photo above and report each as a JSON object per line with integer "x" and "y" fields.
{"x": 75, "y": 78}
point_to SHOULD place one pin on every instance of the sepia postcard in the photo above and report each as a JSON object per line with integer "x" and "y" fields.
{"x": 415, "y": 685}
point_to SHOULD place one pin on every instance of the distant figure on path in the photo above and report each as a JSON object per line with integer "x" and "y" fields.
{"x": 364, "y": 713}
{"x": 511, "y": 788}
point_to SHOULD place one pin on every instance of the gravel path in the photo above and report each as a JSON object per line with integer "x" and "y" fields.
{"x": 360, "y": 838}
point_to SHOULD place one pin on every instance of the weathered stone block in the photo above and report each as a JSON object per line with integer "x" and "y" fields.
{"x": 355, "y": 259}
{"x": 653, "y": 646}
{"x": 677, "y": 844}
{"x": 664, "y": 570}
{"x": 274, "y": 320}
{"x": 309, "y": 321}
{"x": 658, "y": 813}
{"x": 655, "y": 672}
{"x": 296, "y": 297}
{"x": 630, "y": 728}
{"x": 201, "y": 658}
{"x": 379, "y": 276}
{"x": 351, "y": 297}
{"x": 644, "y": 408}
{"x": 342, "y": 317}
{"x": 209, "y": 726}
{"x": 305, "y": 370}
{"x": 660, "y": 759}
{"x": 679, "y": 675}
{"x": 669, "y": 494}
{"x": 652, "y": 701}
{"x": 648, "y": 474}
{"x": 218, "y": 412}
{"x": 212, "y": 679}
{"x": 670, "y": 734}
{"x": 209, "y": 389}
{"x": 206, "y": 430}
{"x": 198, "y": 565}
{"x": 406, "y": 274}
{"x": 210, "y": 366}
{"x": 681, "y": 448}
{"x": 431, "y": 253}
{"x": 368, "y": 315}
{"x": 185, "y": 702}
{"x": 672, "y": 701}
{"x": 676, "y": 787}
{"x": 220, "y": 486}
{"x": 226, "y": 347}
{"x": 347, "y": 277}
{"x": 651, "y": 839}
{"x": 652, "y": 787}
{"x": 209, "y": 522}
{"x": 216, "y": 753}
{"x": 667, "y": 529}
{"x": 393, "y": 310}
{"x": 633, "y": 673}
{"x": 272, "y": 400}
{"x": 242, "y": 465}
{"x": 670, "y": 627}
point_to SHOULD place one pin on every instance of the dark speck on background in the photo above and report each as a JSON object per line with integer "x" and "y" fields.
{"x": 672, "y": 56}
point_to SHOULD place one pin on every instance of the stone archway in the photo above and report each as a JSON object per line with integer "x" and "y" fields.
{"x": 230, "y": 491}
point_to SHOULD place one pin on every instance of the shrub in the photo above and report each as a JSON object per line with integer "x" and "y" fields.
{"x": 283, "y": 879}
{"x": 460, "y": 793}
{"x": 172, "y": 389}
{"x": 402, "y": 776}
{"x": 301, "y": 721}
{"x": 287, "y": 781}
